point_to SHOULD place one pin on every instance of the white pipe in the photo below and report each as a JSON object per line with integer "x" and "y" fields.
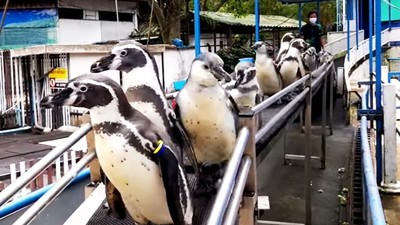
{"x": 2, "y": 85}
{"x": 10, "y": 131}
{"x": 116, "y": 11}
{"x": 12, "y": 82}
{"x": 21, "y": 89}
{"x": 17, "y": 92}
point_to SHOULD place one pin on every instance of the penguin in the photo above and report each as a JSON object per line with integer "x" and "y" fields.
{"x": 136, "y": 155}
{"x": 144, "y": 92}
{"x": 310, "y": 57}
{"x": 268, "y": 78}
{"x": 292, "y": 66}
{"x": 209, "y": 115}
{"x": 245, "y": 89}
{"x": 285, "y": 42}
{"x": 238, "y": 71}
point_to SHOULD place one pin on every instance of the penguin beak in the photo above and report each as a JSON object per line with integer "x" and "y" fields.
{"x": 255, "y": 46}
{"x": 57, "y": 99}
{"x": 239, "y": 79}
{"x": 102, "y": 64}
{"x": 220, "y": 74}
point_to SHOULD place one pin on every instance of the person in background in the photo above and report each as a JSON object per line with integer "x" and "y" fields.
{"x": 312, "y": 32}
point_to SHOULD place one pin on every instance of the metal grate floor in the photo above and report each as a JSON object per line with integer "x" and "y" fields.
{"x": 202, "y": 209}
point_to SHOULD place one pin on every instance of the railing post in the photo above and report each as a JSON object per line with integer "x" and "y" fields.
{"x": 247, "y": 212}
{"x": 390, "y": 183}
{"x": 307, "y": 146}
{"x": 94, "y": 165}
{"x": 331, "y": 99}
{"x": 323, "y": 123}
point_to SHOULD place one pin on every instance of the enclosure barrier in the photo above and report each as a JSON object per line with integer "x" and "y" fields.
{"x": 373, "y": 207}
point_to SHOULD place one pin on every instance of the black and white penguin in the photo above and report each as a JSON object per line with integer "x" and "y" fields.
{"x": 144, "y": 92}
{"x": 136, "y": 155}
{"x": 268, "y": 78}
{"x": 245, "y": 89}
{"x": 238, "y": 71}
{"x": 285, "y": 42}
{"x": 310, "y": 57}
{"x": 292, "y": 67}
{"x": 209, "y": 115}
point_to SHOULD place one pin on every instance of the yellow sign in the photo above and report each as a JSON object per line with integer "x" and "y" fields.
{"x": 59, "y": 73}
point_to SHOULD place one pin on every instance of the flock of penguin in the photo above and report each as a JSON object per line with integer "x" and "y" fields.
{"x": 141, "y": 140}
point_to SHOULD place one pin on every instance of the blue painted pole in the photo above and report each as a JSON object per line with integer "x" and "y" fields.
{"x": 30, "y": 198}
{"x": 371, "y": 51}
{"x": 378, "y": 91}
{"x": 390, "y": 15}
{"x": 299, "y": 16}
{"x": 356, "y": 23}
{"x": 348, "y": 28}
{"x": 361, "y": 23}
{"x": 257, "y": 18}
{"x": 197, "y": 27}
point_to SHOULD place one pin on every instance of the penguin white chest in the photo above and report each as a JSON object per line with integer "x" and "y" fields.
{"x": 136, "y": 177}
{"x": 243, "y": 99}
{"x": 209, "y": 123}
{"x": 267, "y": 77}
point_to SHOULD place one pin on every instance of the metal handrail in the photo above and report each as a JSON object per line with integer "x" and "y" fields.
{"x": 233, "y": 208}
{"x": 50, "y": 195}
{"x": 271, "y": 100}
{"x": 374, "y": 203}
{"x": 228, "y": 181}
{"x": 43, "y": 164}
{"x": 263, "y": 130}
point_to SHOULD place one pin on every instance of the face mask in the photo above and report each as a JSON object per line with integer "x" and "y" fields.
{"x": 313, "y": 20}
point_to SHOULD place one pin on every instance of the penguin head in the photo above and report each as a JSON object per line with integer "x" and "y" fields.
{"x": 288, "y": 37}
{"x": 240, "y": 67}
{"x": 87, "y": 91}
{"x": 245, "y": 77}
{"x": 324, "y": 57}
{"x": 261, "y": 47}
{"x": 125, "y": 56}
{"x": 299, "y": 44}
{"x": 207, "y": 69}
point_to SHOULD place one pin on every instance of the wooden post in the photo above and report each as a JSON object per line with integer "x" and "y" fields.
{"x": 94, "y": 165}
{"x": 247, "y": 211}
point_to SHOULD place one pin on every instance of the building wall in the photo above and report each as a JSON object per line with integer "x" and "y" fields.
{"x": 208, "y": 38}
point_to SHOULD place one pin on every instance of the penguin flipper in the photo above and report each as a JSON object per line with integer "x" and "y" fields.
{"x": 235, "y": 109}
{"x": 180, "y": 133}
{"x": 115, "y": 203}
{"x": 169, "y": 167}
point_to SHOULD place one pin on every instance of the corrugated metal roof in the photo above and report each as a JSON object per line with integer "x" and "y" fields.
{"x": 266, "y": 21}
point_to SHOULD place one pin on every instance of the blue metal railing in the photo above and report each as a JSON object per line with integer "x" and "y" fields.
{"x": 372, "y": 201}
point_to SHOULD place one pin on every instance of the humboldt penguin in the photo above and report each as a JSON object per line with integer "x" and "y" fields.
{"x": 310, "y": 57}
{"x": 268, "y": 78}
{"x": 136, "y": 155}
{"x": 285, "y": 42}
{"x": 238, "y": 71}
{"x": 292, "y": 67}
{"x": 143, "y": 88}
{"x": 209, "y": 115}
{"x": 245, "y": 89}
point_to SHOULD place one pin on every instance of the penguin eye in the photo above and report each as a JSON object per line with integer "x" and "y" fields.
{"x": 83, "y": 88}
{"x": 123, "y": 53}
{"x": 206, "y": 67}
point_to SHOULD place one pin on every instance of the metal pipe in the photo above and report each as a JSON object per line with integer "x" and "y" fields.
{"x": 390, "y": 14}
{"x": 117, "y": 14}
{"x": 30, "y": 198}
{"x": 271, "y": 100}
{"x": 356, "y": 24}
{"x": 228, "y": 181}
{"x": 370, "y": 33}
{"x": 58, "y": 187}
{"x": 233, "y": 208}
{"x": 257, "y": 18}
{"x": 378, "y": 91}
{"x": 3, "y": 17}
{"x": 374, "y": 200}
{"x": 15, "y": 130}
{"x": 308, "y": 150}
{"x": 197, "y": 27}
{"x": 348, "y": 29}
{"x": 45, "y": 162}
{"x": 361, "y": 23}
{"x": 263, "y": 130}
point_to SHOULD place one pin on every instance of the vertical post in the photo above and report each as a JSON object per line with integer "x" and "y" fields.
{"x": 94, "y": 165}
{"x": 323, "y": 124}
{"x": 307, "y": 167}
{"x": 378, "y": 91}
{"x": 318, "y": 9}
{"x": 299, "y": 16}
{"x": 356, "y": 23}
{"x": 246, "y": 213}
{"x": 371, "y": 51}
{"x": 117, "y": 14}
{"x": 361, "y": 15}
{"x": 197, "y": 27}
{"x": 390, "y": 14}
{"x": 331, "y": 100}
{"x": 257, "y": 18}
{"x": 348, "y": 29}
{"x": 390, "y": 156}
